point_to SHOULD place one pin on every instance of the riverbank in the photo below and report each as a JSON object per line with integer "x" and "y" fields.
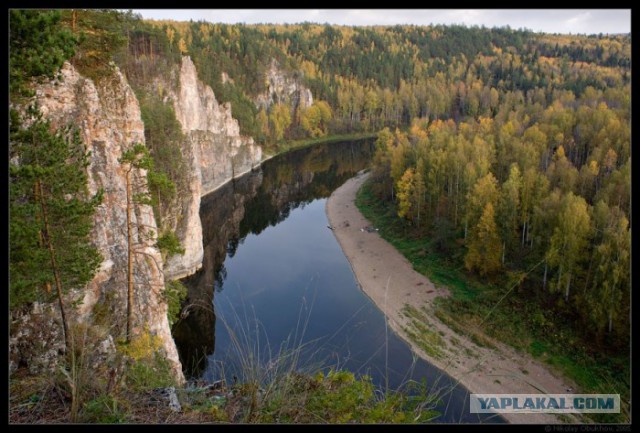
{"x": 308, "y": 142}
{"x": 406, "y": 297}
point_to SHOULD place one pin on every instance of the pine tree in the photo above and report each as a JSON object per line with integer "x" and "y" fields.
{"x": 135, "y": 158}
{"x": 38, "y": 46}
{"x": 50, "y": 214}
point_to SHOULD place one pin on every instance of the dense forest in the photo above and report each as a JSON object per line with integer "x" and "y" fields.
{"x": 372, "y": 77}
{"x": 506, "y": 151}
{"x": 553, "y": 192}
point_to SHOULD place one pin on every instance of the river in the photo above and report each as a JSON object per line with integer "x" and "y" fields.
{"x": 276, "y": 285}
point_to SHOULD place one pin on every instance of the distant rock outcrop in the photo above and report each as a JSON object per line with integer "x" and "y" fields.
{"x": 284, "y": 87}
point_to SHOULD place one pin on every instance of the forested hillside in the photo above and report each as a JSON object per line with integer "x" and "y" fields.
{"x": 385, "y": 76}
{"x": 370, "y": 77}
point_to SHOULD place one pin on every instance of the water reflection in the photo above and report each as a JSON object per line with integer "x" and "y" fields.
{"x": 259, "y": 199}
{"x": 282, "y": 282}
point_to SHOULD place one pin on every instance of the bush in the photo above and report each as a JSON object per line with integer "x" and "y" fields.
{"x": 174, "y": 294}
{"x": 169, "y": 244}
{"x": 147, "y": 368}
{"x": 341, "y": 397}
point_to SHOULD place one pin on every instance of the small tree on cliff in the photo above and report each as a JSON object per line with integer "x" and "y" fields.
{"x": 135, "y": 158}
{"x": 139, "y": 158}
{"x": 51, "y": 214}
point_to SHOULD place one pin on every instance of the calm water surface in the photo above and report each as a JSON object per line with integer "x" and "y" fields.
{"x": 275, "y": 281}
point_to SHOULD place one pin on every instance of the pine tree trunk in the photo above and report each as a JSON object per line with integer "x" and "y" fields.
{"x": 544, "y": 279}
{"x": 129, "y": 260}
{"x": 524, "y": 229}
{"x": 54, "y": 267}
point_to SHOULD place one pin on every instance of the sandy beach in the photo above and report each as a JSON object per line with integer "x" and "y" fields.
{"x": 388, "y": 278}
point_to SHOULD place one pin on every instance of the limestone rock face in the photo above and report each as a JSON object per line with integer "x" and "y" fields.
{"x": 283, "y": 87}
{"x": 196, "y": 106}
{"x": 108, "y": 116}
{"x": 36, "y": 339}
{"x": 215, "y": 152}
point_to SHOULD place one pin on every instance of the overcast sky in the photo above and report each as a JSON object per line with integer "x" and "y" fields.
{"x": 541, "y": 20}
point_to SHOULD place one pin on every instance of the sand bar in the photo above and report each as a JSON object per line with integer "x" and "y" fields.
{"x": 388, "y": 278}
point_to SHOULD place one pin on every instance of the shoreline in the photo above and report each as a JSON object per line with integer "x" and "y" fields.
{"x": 390, "y": 281}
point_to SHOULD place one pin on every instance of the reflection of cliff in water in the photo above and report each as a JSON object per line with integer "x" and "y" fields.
{"x": 257, "y": 200}
{"x": 220, "y": 213}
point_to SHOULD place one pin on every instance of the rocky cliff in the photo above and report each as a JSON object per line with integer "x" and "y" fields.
{"x": 284, "y": 87}
{"x": 215, "y": 151}
{"x": 108, "y": 116}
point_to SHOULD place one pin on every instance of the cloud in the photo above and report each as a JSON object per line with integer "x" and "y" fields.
{"x": 468, "y": 16}
{"x": 578, "y": 23}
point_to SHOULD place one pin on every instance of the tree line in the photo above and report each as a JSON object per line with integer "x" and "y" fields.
{"x": 368, "y": 77}
{"x": 543, "y": 189}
